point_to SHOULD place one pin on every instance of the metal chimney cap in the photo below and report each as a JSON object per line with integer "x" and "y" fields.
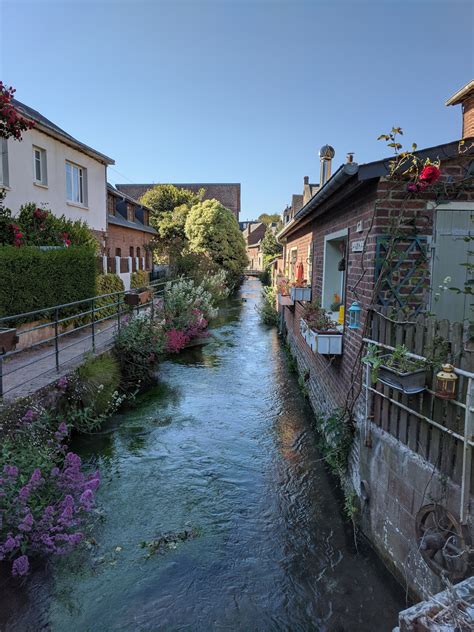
{"x": 326, "y": 152}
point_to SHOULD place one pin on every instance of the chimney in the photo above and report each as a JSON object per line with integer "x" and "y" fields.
{"x": 350, "y": 157}
{"x": 326, "y": 154}
{"x": 465, "y": 97}
{"x": 306, "y": 179}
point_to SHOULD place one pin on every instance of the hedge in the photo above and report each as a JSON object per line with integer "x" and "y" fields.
{"x": 32, "y": 279}
{"x": 107, "y": 284}
{"x": 139, "y": 279}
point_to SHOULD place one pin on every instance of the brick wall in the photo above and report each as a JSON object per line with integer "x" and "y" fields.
{"x": 125, "y": 238}
{"x": 468, "y": 117}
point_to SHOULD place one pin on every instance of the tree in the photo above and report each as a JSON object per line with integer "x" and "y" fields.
{"x": 11, "y": 123}
{"x": 169, "y": 209}
{"x": 271, "y": 249}
{"x": 163, "y": 198}
{"x": 272, "y": 218}
{"x": 212, "y": 229}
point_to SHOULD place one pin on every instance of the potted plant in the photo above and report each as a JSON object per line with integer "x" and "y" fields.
{"x": 397, "y": 369}
{"x": 138, "y": 296}
{"x": 8, "y": 339}
{"x": 326, "y": 338}
{"x": 300, "y": 291}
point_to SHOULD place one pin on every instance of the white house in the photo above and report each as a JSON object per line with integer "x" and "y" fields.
{"x": 56, "y": 171}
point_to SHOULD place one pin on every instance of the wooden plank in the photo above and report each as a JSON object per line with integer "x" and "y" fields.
{"x": 387, "y": 334}
{"x": 440, "y": 407}
{"x": 419, "y": 346}
{"x": 455, "y": 418}
{"x": 397, "y": 413}
{"x": 377, "y": 404}
{"x": 428, "y": 400}
{"x": 413, "y": 401}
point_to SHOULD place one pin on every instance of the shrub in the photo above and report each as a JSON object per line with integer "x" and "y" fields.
{"x": 32, "y": 279}
{"x": 266, "y": 308}
{"x": 107, "y": 284}
{"x": 99, "y": 379}
{"x": 181, "y": 298}
{"x": 265, "y": 277}
{"x": 216, "y": 285}
{"x": 44, "y": 491}
{"x": 137, "y": 347}
{"x": 139, "y": 279}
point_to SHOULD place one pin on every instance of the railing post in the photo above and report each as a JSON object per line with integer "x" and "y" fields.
{"x": 56, "y": 339}
{"x": 119, "y": 312}
{"x": 467, "y": 452}
{"x": 1, "y": 375}
{"x": 93, "y": 326}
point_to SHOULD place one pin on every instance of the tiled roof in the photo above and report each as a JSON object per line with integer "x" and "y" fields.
{"x": 228, "y": 194}
{"x": 48, "y": 125}
{"x": 119, "y": 220}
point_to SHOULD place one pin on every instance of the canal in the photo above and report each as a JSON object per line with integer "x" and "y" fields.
{"x": 223, "y": 452}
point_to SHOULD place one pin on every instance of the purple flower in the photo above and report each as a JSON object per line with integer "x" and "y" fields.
{"x": 11, "y": 470}
{"x": 36, "y": 477}
{"x": 55, "y": 472}
{"x": 72, "y": 460}
{"x": 412, "y": 187}
{"x": 62, "y": 382}
{"x": 27, "y": 523}
{"x": 87, "y": 499}
{"x": 28, "y": 417}
{"x": 24, "y": 493}
{"x": 21, "y": 566}
{"x": 10, "y": 544}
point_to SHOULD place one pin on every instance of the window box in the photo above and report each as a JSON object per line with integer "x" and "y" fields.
{"x": 284, "y": 299}
{"x": 300, "y": 293}
{"x": 312, "y": 340}
{"x": 133, "y": 298}
{"x": 8, "y": 339}
{"x": 328, "y": 342}
{"x": 408, "y": 382}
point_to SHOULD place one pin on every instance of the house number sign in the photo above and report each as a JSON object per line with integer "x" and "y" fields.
{"x": 358, "y": 245}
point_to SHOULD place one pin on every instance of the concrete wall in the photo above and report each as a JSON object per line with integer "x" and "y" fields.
{"x": 22, "y": 188}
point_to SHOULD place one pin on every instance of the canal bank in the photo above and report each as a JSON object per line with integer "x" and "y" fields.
{"x": 224, "y": 448}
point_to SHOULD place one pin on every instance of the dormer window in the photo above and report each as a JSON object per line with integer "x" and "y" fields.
{"x": 130, "y": 212}
{"x": 146, "y": 219}
{"x": 111, "y": 204}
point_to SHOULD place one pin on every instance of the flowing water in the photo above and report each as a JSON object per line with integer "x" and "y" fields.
{"x": 223, "y": 448}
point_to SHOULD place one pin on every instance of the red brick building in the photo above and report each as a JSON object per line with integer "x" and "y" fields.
{"x": 341, "y": 235}
{"x": 128, "y": 234}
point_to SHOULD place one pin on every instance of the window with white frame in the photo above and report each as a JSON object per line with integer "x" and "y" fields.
{"x": 76, "y": 184}
{"x": 334, "y": 266}
{"x": 292, "y": 262}
{"x": 4, "y": 181}
{"x": 40, "y": 174}
{"x": 310, "y": 263}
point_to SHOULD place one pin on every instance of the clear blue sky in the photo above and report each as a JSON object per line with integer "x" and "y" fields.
{"x": 234, "y": 91}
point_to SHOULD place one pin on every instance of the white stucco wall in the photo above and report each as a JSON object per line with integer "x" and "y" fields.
{"x": 22, "y": 188}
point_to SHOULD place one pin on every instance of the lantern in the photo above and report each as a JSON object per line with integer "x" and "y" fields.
{"x": 446, "y": 382}
{"x": 354, "y": 315}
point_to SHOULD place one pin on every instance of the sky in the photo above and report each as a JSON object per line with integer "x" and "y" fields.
{"x": 239, "y": 91}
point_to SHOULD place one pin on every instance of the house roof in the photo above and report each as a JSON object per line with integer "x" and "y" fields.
{"x": 50, "y": 128}
{"x": 111, "y": 189}
{"x": 369, "y": 171}
{"x": 120, "y": 220}
{"x": 461, "y": 94}
{"x": 228, "y": 193}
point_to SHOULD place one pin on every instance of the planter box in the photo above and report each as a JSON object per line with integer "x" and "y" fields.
{"x": 133, "y": 299}
{"x": 328, "y": 343}
{"x": 409, "y": 383}
{"x": 312, "y": 340}
{"x": 8, "y": 339}
{"x": 283, "y": 300}
{"x": 300, "y": 293}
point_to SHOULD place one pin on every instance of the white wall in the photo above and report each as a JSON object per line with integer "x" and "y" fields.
{"x": 22, "y": 188}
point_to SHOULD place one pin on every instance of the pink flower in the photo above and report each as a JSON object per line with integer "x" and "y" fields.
{"x": 430, "y": 174}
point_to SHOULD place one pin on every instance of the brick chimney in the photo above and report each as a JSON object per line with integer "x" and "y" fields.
{"x": 465, "y": 97}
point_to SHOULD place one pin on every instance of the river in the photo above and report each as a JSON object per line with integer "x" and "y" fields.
{"x": 224, "y": 448}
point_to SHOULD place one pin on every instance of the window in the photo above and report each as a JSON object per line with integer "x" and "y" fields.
{"x": 146, "y": 219}
{"x": 4, "y": 162}
{"x": 310, "y": 263}
{"x": 138, "y": 251}
{"x": 292, "y": 263}
{"x": 118, "y": 252}
{"x": 40, "y": 175}
{"x": 335, "y": 246}
{"x": 131, "y": 251}
{"x": 130, "y": 213}
{"x": 76, "y": 184}
{"x": 110, "y": 204}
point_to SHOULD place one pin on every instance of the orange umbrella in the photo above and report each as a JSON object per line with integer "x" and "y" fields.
{"x": 299, "y": 272}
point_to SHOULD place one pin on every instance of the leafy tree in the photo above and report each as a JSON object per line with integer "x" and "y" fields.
{"x": 267, "y": 218}
{"x": 163, "y": 198}
{"x": 271, "y": 249}
{"x": 213, "y": 230}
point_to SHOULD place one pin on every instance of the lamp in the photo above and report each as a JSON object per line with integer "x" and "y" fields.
{"x": 354, "y": 315}
{"x": 446, "y": 382}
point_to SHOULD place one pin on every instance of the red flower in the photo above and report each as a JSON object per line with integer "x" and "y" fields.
{"x": 429, "y": 174}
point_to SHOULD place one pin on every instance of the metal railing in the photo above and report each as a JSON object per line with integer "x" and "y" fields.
{"x": 91, "y": 328}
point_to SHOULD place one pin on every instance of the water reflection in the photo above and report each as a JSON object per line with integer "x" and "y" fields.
{"x": 224, "y": 445}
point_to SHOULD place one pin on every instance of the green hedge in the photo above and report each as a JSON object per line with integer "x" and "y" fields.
{"x": 139, "y": 279}
{"x": 107, "y": 284}
{"x": 32, "y": 279}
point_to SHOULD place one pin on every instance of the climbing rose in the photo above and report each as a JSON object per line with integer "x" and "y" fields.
{"x": 429, "y": 174}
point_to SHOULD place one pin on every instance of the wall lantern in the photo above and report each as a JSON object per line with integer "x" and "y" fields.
{"x": 354, "y": 315}
{"x": 446, "y": 382}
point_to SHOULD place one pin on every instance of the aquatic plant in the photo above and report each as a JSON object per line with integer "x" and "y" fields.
{"x": 266, "y": 308}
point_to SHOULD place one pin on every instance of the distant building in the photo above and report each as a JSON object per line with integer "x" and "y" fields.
{"x": 228, "y": 194}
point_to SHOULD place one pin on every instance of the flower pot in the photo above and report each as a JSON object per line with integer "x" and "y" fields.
{"x": 137, "y": 297}
{"x": 8, "y": 339}
{"x": 300, "y": 293}
{"x": 329, "y": 342}
{"x": 409, "y": 382}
